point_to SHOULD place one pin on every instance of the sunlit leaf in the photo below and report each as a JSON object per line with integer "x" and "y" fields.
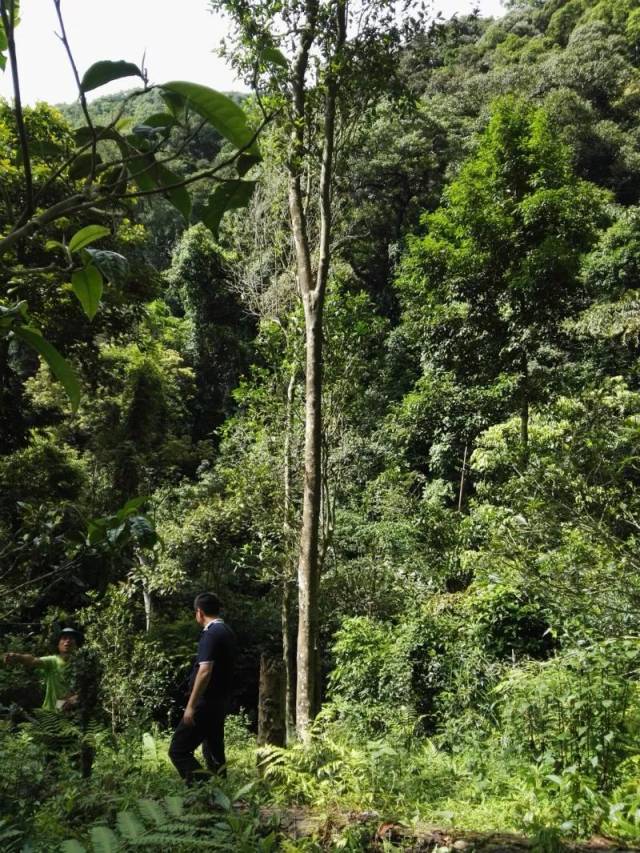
{"x": 87, "y": 285}
{"x": 219, "y": 110}
{"x": 87, "y": 235}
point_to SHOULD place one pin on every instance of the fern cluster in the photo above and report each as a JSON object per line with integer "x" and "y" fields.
{"x": 173, "y": 824}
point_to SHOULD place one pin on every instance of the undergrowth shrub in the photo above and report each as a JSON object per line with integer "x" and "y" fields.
{"x": 136, "y": 673}
{"x": 580, "y": 709}
{"x": 623, "y": 817}
{"x": 431, "y": 669}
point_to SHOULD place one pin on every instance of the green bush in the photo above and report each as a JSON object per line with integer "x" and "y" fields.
{"x": 578, "y": 711}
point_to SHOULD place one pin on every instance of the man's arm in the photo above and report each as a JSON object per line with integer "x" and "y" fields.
{"x": 25, "y": 660}
{"x": 197, "y": 691}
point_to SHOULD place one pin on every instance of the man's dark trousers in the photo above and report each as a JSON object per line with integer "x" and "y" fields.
{"x": 208, "y": 730}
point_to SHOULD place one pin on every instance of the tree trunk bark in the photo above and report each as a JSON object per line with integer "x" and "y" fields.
{"x": 312, "y": 293}
{"x": 148, "y": 607}
{"x": 308, "y": 568}
{"x": 288, "y": 652}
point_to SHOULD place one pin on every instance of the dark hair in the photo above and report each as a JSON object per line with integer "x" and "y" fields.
{"x": 209, "y": 603}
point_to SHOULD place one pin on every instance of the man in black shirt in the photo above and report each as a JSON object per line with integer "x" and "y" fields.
{"x": 209, "y": 689}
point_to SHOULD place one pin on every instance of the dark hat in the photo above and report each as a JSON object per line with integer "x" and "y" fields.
{"x": 71, "y": 632}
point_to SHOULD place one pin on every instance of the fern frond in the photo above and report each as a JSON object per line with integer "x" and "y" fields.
{"x": 72, "y": 846}
{"x": 221, "y": 799}
{"x": 130, "y": 826}
{"x": 104, "y": 840}
{"x": 152, "y": 812}
{"x": 175, "y": 806}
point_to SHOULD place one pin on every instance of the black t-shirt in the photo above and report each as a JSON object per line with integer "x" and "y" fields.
{"x": 217, "y": 644}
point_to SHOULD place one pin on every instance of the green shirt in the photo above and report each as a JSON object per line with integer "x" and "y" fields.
{"x": 56, "y": 680}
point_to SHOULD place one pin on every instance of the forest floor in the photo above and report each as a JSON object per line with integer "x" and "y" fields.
{"x": 299, "y": 822}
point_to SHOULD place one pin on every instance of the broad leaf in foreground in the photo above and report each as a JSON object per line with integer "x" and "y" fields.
{"x": 60, "y": 368}
{"x": 219, "y": 110}
{"x": 87, "y": 285}
{"x": 87, "y": 235}
{"x": 106, "y": 71}
{"x": 230, "y": 195}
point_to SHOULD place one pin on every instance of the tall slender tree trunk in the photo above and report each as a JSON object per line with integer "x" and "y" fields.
{"x": 147, "y": 595}
{"x": 312, "y": 290}
{"x": 288, "y": 649}
{"x": 308, "y": 566}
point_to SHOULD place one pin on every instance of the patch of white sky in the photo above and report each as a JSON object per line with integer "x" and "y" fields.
{"x": 179, "y": 41}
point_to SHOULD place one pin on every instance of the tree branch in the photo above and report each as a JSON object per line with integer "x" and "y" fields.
{"x": 8, "y": 22}
{"x": 83, "y": 98}
{"x": 81, "y": 201}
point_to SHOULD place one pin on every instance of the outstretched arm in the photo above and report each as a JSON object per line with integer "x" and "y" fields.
{"x": 30, "y": 661}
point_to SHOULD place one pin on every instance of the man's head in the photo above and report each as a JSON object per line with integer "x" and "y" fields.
{"x": 207, "y": 606}
{"x": 68, "y": 641}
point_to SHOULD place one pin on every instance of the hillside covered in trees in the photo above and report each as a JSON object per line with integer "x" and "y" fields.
{"x": 361, "y": 358}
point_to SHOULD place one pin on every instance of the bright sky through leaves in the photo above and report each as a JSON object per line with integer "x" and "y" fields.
{"x": 179, "y": 40}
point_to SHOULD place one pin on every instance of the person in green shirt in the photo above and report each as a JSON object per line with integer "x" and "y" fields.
{"x": 58, "y": 693}
{"x": 55, "y": 669}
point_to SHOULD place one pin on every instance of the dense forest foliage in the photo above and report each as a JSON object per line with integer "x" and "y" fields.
{"x": 479, "y": 619}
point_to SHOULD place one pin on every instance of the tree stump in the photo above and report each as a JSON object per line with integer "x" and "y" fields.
{"x": 271, "y": 717}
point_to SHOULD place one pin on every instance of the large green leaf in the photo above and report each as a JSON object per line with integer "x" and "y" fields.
{"x": 150, "y": 175}
{"x": 153, "y": 812}
{"x": 231, "y": 194}
{"x": 142, "y": 531}
{"x": 87, "y": 285}
{"x": 87, "y": 235}
{"x": 178, "y": 196}
{"x": 219, "y": 110}
{"x": 40, "y": 149}
{"x": 106, "y": 71}
{"x": 131, "y": 506}
{"x": 60, "y": 368}
{"x": 175, "y": 806}
{"x": 176, "y": 104}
